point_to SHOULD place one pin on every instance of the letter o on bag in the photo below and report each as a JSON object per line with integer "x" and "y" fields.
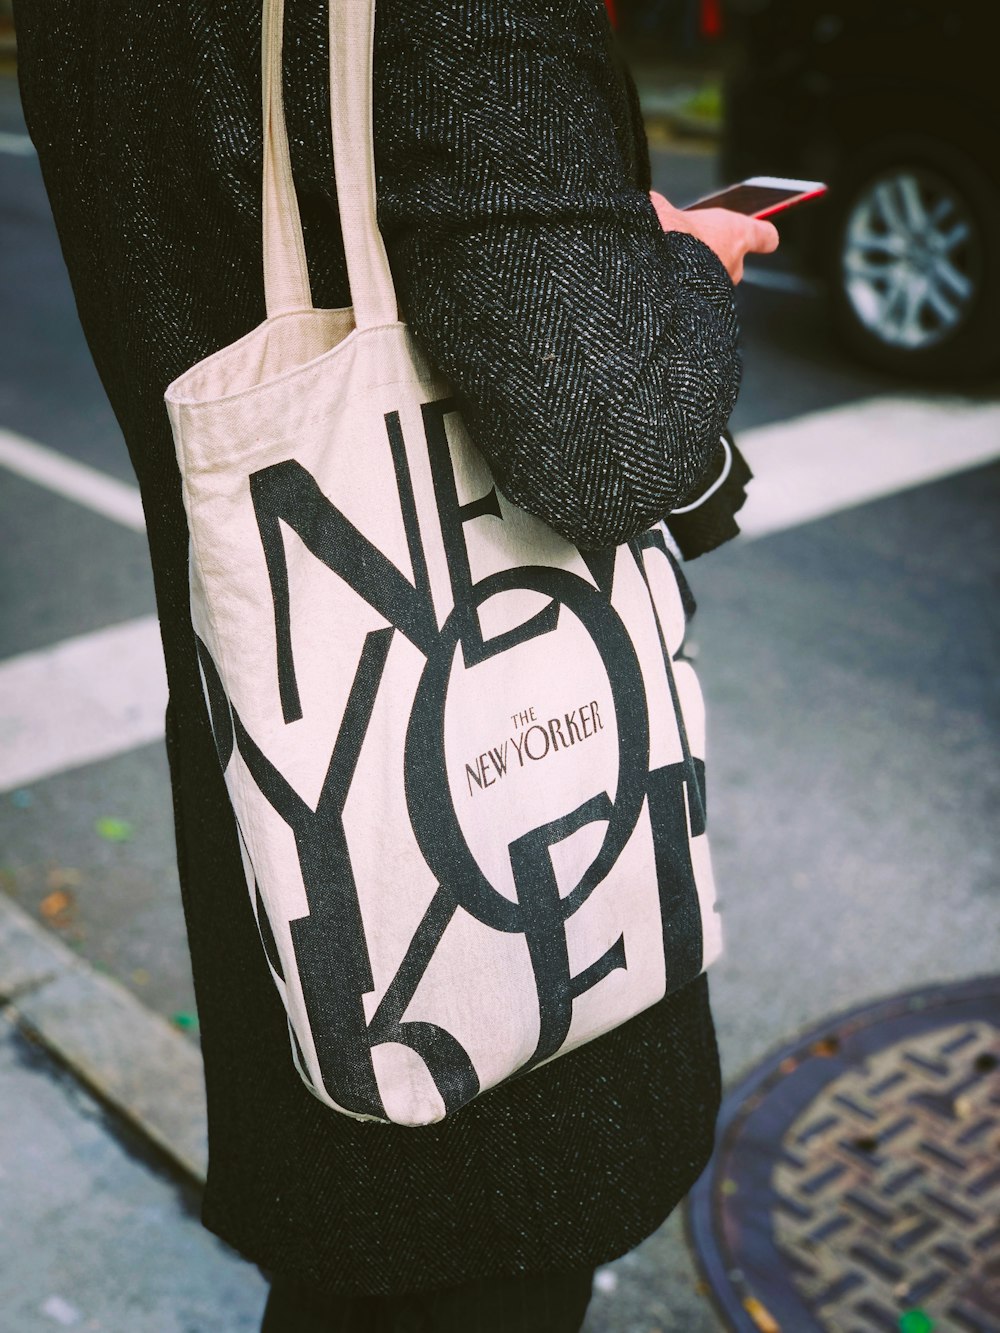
{"x": 544, "y": 735}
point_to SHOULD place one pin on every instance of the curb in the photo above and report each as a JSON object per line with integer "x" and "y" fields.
{"x": 686, "y": 126}
{"x": 681, "y": 133}
{"x": 666, "y": 115}
{"x": 130, "y": 1057}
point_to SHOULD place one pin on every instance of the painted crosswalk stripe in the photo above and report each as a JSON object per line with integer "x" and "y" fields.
{"x": 104, "y": 693}
{"x": 88, "y": 698}
{"x": 85, "y": 485}
{"x": 817, "y": 464}
{"x": 17, "y": 145}
{"x": 781, "y": 280}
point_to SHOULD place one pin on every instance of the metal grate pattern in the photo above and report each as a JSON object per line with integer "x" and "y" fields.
{"x": 888, "y": 1192}
{"x": 855, "y": 1186}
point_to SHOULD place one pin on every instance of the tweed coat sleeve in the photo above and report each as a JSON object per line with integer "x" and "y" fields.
{"x": 595, "y": 357}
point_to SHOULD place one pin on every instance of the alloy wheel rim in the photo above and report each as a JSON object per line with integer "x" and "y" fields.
{"x": 911, "y": 258}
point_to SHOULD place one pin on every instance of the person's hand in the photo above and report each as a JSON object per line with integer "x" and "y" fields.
{"x": 731, "y": 235}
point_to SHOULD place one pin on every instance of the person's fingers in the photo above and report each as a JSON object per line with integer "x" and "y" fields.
{"x": 765, "y": 237}
{"x": 665, "y": 211}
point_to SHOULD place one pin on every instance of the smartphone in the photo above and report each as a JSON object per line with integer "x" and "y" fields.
{"x": 761, "y": 196}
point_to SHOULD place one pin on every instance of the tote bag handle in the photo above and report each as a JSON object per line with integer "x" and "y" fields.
{"x": 286, "y": 279}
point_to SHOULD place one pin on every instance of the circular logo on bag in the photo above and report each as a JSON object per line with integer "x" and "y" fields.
{"x": 563, "y": 766}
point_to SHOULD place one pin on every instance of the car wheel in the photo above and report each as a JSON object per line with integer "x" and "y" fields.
{"x": 915, "y": 261}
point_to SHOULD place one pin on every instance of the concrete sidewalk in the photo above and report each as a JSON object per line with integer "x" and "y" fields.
{"x": 94, "y": 1233}
{"x": 103, "y": 1150}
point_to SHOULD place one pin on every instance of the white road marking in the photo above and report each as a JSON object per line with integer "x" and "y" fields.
{"x": 104, "y": 693}
{"x": 817, "y": 464}
{"x": 95, "y": 490}
{"x": 19, "y": 145}
{"x": 88, "y": 698}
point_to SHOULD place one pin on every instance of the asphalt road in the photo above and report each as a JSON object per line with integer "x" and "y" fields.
{"x": 848, "y": 664}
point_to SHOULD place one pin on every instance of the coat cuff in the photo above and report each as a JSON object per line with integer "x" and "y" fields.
{"x": 709, "y": 520}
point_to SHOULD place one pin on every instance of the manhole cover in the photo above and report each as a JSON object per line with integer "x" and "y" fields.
{"x": 855, "y": 1186}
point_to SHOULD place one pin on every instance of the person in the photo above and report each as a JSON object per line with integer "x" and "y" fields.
{"x": 589, "y": 331}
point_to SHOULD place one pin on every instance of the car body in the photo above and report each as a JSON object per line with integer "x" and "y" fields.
{"x": 896, "y": 104}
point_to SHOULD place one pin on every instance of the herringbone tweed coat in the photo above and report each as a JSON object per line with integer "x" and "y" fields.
{"x": 596, "y": 361}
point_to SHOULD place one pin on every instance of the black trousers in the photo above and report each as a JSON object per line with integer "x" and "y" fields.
{"x": 538, "y": 1303}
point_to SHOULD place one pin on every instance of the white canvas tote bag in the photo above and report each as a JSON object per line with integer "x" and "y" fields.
{"x": 465, "y": 759}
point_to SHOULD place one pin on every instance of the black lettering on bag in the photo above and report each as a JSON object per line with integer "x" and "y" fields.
{"x": 329, "y": 943}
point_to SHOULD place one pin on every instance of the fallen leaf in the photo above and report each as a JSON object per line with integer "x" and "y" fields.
{"x": 58, "y": 904}
{"x": 760, "y": 1315}
{"x": 112, "y": 829}
{"x": 188, "y": 1022}
{"x": 826, "y": 1046}
{"x": 915, "y": 1321}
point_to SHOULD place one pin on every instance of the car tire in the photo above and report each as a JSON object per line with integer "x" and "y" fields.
{"x": 914, "y": 260}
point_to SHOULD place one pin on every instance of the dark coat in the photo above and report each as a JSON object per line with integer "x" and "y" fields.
{"x": 595, "y": 358}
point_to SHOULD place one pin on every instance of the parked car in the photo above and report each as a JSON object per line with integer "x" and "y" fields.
{"x": 896, "y": 104}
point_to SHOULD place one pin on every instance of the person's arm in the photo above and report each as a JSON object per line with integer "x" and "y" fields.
{"x": 594, "y": 355}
